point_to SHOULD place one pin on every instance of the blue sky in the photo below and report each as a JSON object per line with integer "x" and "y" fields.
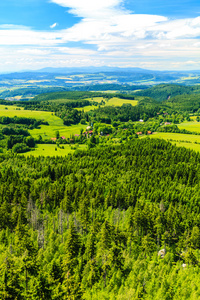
{"x": 162, "y": 35}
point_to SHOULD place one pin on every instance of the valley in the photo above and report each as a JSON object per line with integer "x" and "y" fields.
{"x": 94, "y": 186}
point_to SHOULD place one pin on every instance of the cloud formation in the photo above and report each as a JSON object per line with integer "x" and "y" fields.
{"x": 107, "y": 34}
{"x": 53, "y": 25}
{"x": 92, "y": 9}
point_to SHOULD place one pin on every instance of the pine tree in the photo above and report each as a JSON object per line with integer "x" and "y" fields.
{"x": 71, "y": 282}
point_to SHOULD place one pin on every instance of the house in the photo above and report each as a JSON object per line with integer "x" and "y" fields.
{"x": 167, "y": 123}
{"x": 149, "y": 132}
{"x": 141, "y": 120}
{"x": 54, "y": 139}
{"x": 63, "y": 137}
{"x": 139, "y": 133}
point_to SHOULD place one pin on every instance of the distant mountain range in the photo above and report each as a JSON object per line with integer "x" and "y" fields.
{"x": 94, "y": 78}
{"x": 108, "y": 69}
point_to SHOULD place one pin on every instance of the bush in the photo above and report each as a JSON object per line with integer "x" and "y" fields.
{"x": 83, "y": 121}
{"x": 20, "y": 148}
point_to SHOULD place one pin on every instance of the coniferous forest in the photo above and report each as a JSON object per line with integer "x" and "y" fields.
{"x": 112, "y": 222}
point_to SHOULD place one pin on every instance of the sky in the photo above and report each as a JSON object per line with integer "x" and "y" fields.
{"x": 156, "y": 34}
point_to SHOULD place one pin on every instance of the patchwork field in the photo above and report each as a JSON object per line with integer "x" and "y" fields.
{"x": 182, "y": 140}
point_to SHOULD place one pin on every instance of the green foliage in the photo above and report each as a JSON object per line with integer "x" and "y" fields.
{"x": 188, "y": 103}
{"x": 124, "y": 113}
{"x": 20, "y": 120}
{"x": 20, "y": 148}
{"x": 67, "y": 95}
{"x": 163, "y": 92}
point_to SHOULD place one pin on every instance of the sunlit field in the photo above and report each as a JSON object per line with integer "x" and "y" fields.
{"x": 46, "y": 131}
{"x": 182, "y": 140}
{"x": 191, "y": 126}
{"x": 49, "y": 131}
{"x": 119, "y": 102}
{"x": 53, "y": 150}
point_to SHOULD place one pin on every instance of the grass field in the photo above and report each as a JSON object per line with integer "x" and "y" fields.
{"x": 87, "y": 108}
{"x": 49, "y": 150}
{"x": 119, "y": 102}
{"x": 112, "y": 102}
{"x": 181, "y": 140}
{"x": 191, "y": 126}
{"x": 46, "y": 131}
{"x": 9, "y": 108}
{"x": 11, "y": 111}
{"x": 49, "y": 131}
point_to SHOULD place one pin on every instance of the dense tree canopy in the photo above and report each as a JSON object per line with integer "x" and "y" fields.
{"x": 90, "y": 225}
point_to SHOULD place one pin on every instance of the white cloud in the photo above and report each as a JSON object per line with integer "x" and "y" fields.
{"x": 118, "y": 36}
{"x": 76, "y": 51}
{"x": 34, "y": 51}
{"x": 92, "y": 8}
{"x": 13, "y": 27}
{"x": 53, "y": 25}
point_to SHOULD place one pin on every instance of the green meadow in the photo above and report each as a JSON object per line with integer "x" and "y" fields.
{"x": 50, "y": 131}
{"x": 191, "y": 126}
{"x": 119, "y": 102}
{"x": 53, "y": 150}
{"x": 109, "y": 102}
{"x": 182, "y": 140}
{"x": 46, "y": 131}
{"x": 12, "y": 111}
{"x": 10, "y": 108}
{"x": 87, "y": 108}
{"x": 115, "y": 101}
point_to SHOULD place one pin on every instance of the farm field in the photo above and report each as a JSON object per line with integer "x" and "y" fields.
{"x": 49, "y": 131}
{"x": 5, "y": 109}
{"x": 119, "y": 102}
{"x": 11, "y": 111}
{"x": 191, "y": 126}
{"x": 87, "y": 108}
{"x": 181, "y": 140}
{"x": 49, "y": 150}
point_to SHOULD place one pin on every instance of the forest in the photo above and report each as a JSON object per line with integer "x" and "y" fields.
{"x": 91, "y": 225}
{"x": 118, "y": 220}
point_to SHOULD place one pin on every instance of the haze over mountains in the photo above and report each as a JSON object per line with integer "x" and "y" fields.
{"x": 109, "y": 69}
{"x": 85, "y": 76}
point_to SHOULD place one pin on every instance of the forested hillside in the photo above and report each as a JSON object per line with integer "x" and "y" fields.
{"x": 163, "y": 92}
{"x": 90, "y": 225}
{"x": 189, "y": 103}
